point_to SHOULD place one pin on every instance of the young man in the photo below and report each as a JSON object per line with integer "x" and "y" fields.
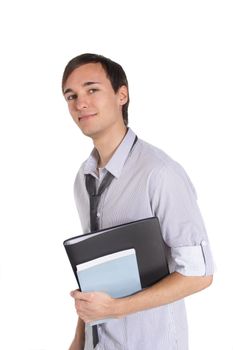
{"x": 146, "y": 182}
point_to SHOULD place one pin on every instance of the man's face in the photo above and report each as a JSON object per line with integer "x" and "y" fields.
{"x": 92, "y": 102}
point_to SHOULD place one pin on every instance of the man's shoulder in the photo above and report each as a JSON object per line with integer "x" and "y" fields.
{"x": 80, "y": 173}
{"x": 82, "y": 166}
{"x": 154, "y": 156}
{"x": 158, "y": 161}
{"x": 163, "y": 169}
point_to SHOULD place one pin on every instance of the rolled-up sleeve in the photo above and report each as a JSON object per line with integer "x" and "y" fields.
{"x": 174, "y": 201}
{"x": 192, "y": 260}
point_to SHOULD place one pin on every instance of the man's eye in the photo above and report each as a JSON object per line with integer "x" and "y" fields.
{"x": 71, "y": 97}
{"x": 92, "y": 91}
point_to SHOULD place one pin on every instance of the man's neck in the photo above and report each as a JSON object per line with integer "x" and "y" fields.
{"x": 107, "y": 144}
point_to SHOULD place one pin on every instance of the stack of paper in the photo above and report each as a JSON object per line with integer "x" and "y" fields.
{"x": 116, "y": 274}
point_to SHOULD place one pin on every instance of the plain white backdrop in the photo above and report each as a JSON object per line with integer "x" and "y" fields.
{"x": 178, "y": 57}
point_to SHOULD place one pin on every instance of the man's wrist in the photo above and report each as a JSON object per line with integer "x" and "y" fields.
{"x": 120, "y": 307}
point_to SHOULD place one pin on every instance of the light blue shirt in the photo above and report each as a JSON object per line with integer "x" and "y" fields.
{"x": 147, "y": 182}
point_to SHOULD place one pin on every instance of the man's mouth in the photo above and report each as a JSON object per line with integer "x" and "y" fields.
{"x": 86, "y": 116}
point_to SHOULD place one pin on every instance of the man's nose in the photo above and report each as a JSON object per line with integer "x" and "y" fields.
{"x": 81, "y": 102}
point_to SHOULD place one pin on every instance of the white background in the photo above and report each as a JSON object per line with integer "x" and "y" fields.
{"x": 178, "y": 57}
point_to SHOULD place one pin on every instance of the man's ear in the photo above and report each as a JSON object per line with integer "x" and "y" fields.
{"x": 123, "y": 95}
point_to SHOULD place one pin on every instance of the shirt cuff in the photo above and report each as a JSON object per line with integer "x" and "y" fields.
{"x": 192, "y": 260}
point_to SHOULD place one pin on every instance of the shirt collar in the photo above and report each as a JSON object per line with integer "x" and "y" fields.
{"x": 116, "y": 163}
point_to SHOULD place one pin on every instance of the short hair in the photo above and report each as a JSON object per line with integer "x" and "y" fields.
{"x": 113, "y": 70}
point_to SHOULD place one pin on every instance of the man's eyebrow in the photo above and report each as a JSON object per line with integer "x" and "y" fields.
{"x": 67, "y": 90}
{"x": 87, "y": 83}
{"x": 91, "y": 83}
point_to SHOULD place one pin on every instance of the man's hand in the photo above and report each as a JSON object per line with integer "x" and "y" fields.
{"x": 93, "y": 306}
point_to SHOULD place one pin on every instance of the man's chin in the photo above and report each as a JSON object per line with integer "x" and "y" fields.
{"x": 89, "y": 133}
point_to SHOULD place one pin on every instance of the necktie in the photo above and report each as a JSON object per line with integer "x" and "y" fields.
{"x": 94, "y": 197}
{"x": 94, "y": 202}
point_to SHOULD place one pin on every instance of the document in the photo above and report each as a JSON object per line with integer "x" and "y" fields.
{"x": 115, "y": 274}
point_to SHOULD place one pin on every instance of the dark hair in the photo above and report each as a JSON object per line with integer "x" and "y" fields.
{"x": 114, "y": 72}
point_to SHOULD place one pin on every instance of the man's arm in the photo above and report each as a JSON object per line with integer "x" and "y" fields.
{"x": 97, "y": 305}
{"x": 168, "y": 290}
{"x": 79, "y": 338}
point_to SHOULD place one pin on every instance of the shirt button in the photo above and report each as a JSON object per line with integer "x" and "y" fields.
{"x": 203, "y": 243}
{"x": 98, "y": 215}
{"x": 99, "y": 330}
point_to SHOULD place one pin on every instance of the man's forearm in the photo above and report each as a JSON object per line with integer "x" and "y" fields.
{"x": 168, "y": 290}
{"x": 97, "y": 305}
{"x": 79, "y": 338}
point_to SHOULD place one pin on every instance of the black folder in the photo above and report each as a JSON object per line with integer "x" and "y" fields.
{"x": 143, "y": 235}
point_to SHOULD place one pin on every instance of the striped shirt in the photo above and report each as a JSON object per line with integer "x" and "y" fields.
{"x": 147, "y": 182}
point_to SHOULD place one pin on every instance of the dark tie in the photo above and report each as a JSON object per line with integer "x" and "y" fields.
{"x": 94, "y": 202}
{"x": 94, "y": 197}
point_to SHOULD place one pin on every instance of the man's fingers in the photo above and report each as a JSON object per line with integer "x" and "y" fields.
{"x": 76, "y": 294}
{"x": 73, "y": 293}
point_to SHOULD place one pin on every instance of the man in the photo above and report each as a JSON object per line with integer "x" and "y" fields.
{"x": 146, "y": 182}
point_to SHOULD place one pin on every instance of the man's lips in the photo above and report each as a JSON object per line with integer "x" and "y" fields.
{"x": 86, "y": 116}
